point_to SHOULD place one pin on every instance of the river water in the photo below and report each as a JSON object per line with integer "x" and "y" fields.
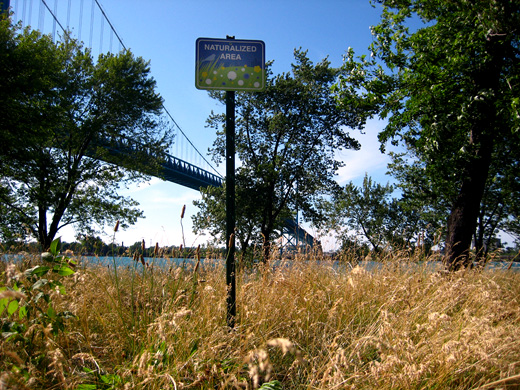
{"x": 110, "y": 261}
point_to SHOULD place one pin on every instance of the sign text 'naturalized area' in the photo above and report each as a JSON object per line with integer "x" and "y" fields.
{"x": 233, "y": 65}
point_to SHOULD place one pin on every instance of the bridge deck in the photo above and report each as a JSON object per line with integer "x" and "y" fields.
{"x": 188, "y": 175}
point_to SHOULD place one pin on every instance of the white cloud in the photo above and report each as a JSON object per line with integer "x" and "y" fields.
{"x": 368, "y": 159}
{"x": 139, "y": 187}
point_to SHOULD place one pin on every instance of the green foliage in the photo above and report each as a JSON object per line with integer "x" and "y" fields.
{"x": 286, "y": 140}
{"x": 446, "y": 77}
{"x": 365, "y": 210}
{"x": 34, "y": 301}
{"x": 27, "y": 312}
{"x": 70, "y": 110}
{"x": 371, "y": 213}
{"x": 271, "y": 385}
{"x": 104, "y": 381}
{"x": 211, "y": 216}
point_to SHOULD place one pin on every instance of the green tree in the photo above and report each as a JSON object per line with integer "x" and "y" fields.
{"x": 363, "y": 211}
{"x": 286, "y": 141}
{"x": 371, "y": 213}
{"x": 431, "y": 198}
{"x": 212, "y": 215}
{"x": 91, "y": 245}
{"x": 360, "y": 212}
{"x": 451, "y": 93}
{"x": 500, "y": 207}
{"x": 60, "y": 110}
{"x": 420, "y": 193}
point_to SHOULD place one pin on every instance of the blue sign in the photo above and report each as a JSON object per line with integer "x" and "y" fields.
{"x": 230, "y": 65}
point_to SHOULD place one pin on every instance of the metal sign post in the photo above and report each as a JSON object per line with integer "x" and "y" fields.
{"x": 230, "y": 65}
{"x": 230, "y": 208}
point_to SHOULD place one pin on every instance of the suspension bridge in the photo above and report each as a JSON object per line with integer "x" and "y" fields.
{"x": 90, "y": 24}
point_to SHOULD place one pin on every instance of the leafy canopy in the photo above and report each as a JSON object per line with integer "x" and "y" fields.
{"x": 371, "y": 214}
{"x": 445, "y": 75}
{"x": 62, "y": 114}
{"x": 286, "y": 140}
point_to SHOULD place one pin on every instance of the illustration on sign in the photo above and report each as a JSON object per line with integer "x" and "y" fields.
{"x": 228, "y": 64}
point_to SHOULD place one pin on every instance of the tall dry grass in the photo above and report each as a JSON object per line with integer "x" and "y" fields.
{"x": 309, "y": 326}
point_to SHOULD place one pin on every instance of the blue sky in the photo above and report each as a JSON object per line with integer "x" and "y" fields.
{"x": 165, "y": 31}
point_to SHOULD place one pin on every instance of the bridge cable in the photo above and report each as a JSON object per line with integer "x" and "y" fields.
{"x": 110, "y": 23}
{"x": 163, "y": 106}
{"x": 92, "y": 14}
{"x": 80, "y": 19}
{"x": 54, "y": 16}
{"x": 189, "y": 141}
{"x": 68, "y": 15}
{"x": 54, "y": 23}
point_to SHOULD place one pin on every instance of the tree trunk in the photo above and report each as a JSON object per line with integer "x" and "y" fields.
{"x": 465, "y": 211}
{"x": 462, "y": 221}
{"x": 43, "y": 237}
{"x": 266, "y": 246}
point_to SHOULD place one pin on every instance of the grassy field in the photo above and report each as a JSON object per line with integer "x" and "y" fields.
{"x": 309, "y": 326}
